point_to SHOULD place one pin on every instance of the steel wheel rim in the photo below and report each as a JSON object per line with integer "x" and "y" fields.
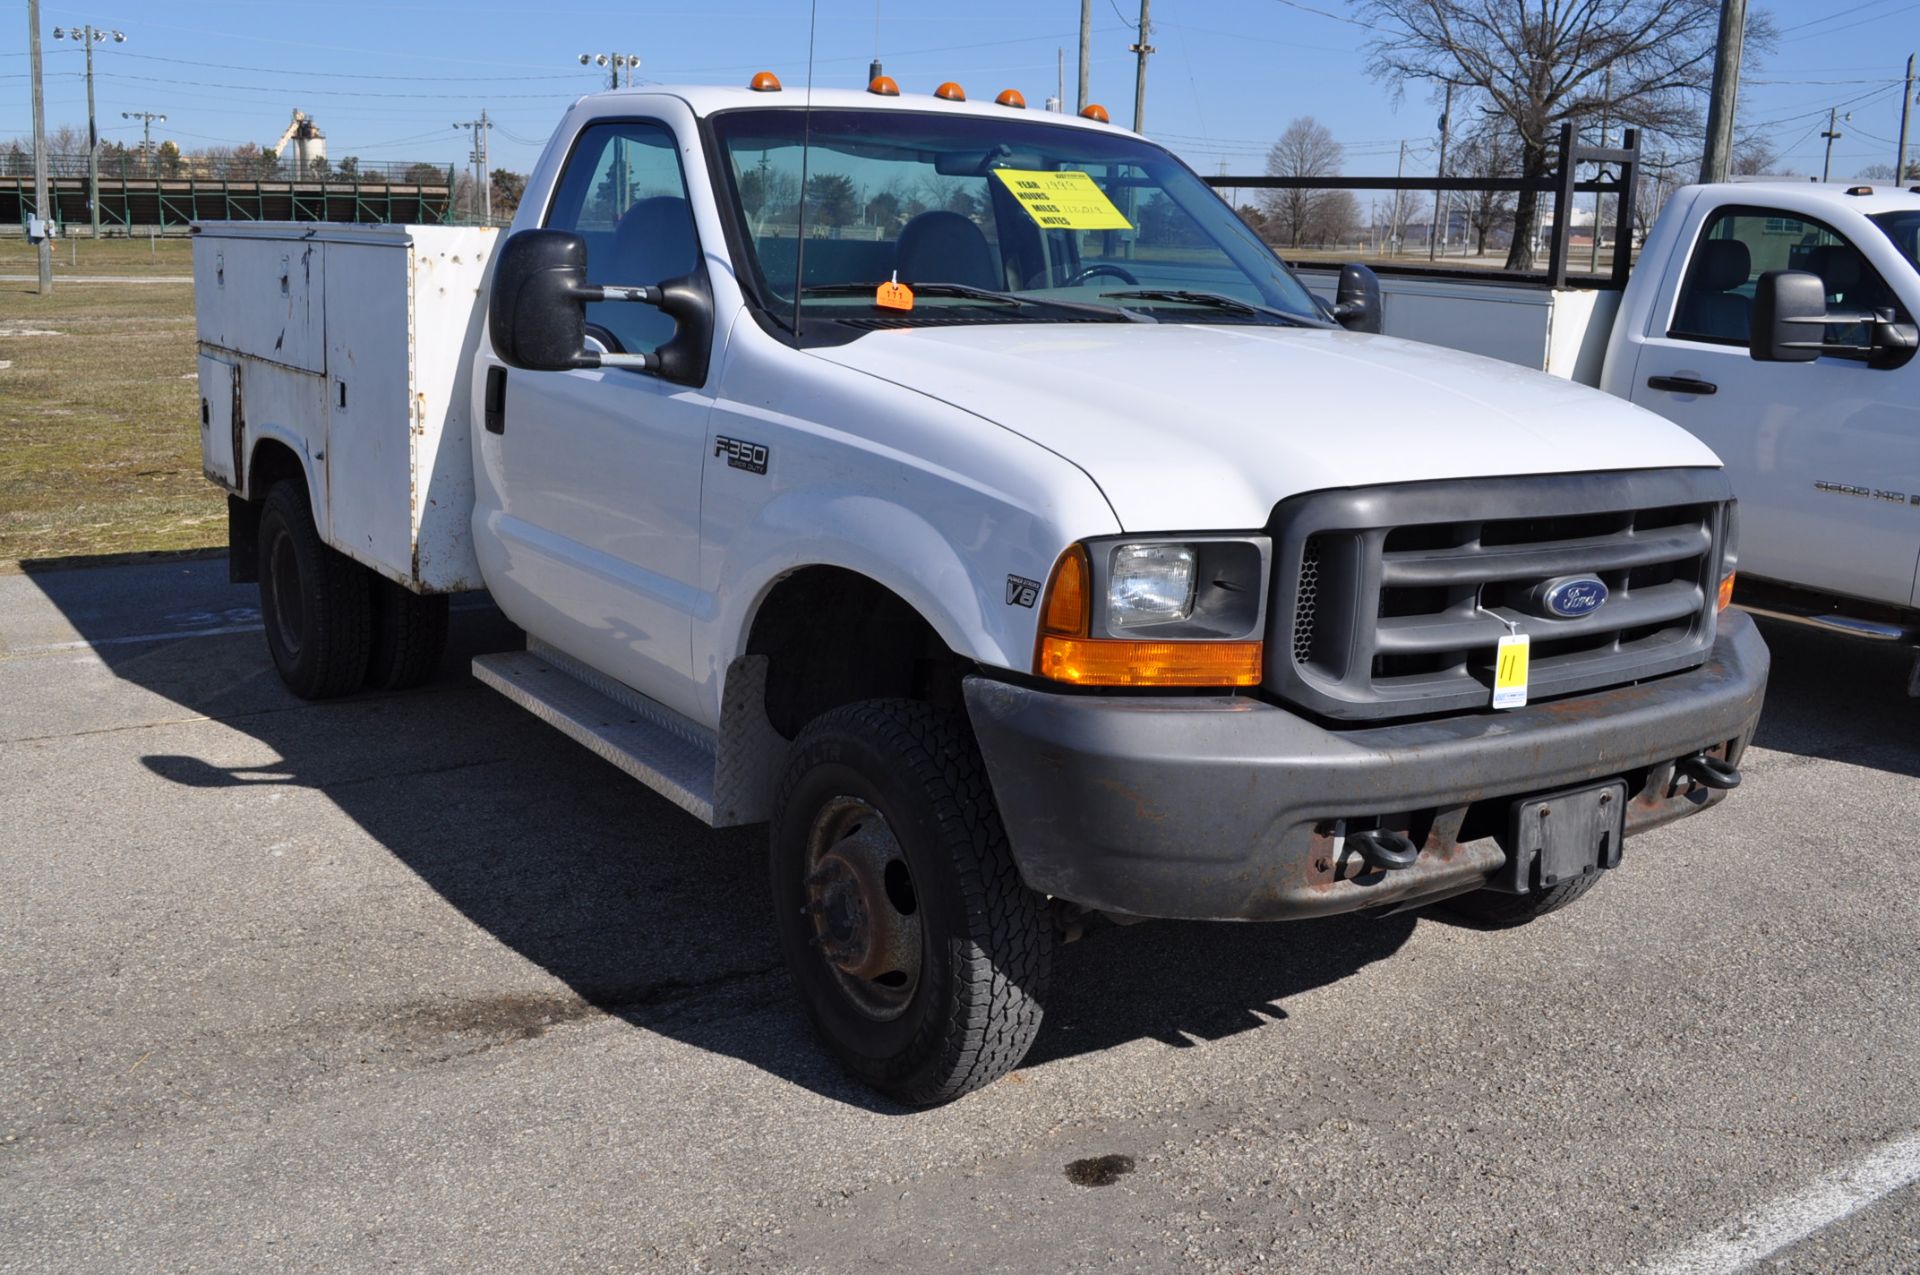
{"x": 289, "y": 608}
{"x": 863, "y": 908}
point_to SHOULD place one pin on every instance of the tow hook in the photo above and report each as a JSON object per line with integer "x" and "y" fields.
{"x": 1709, "y": 771}
{"x": 1384, "y": 849}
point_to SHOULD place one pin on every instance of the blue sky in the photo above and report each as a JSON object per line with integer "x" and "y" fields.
{"x": 386, "y": 80}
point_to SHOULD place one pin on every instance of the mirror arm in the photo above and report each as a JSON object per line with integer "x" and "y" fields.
{"x": 616, "y": 292}
{"x": 638, "y": 362}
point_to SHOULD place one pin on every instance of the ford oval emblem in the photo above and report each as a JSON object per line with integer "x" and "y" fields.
{"x": 1571, "y": 597}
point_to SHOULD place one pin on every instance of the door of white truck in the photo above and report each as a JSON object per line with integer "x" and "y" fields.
{"x": 591, "y": 481}
{"x": 1824, "y": 456}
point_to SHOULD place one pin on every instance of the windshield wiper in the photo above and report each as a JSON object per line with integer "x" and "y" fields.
{"x": 1110, "y": 313}
{"x": 1216, "y": 301}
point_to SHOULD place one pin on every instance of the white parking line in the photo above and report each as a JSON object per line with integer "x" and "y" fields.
{"x": 1793, "y": 1218}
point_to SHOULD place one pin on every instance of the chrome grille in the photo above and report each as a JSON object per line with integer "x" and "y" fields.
{"x": 1401, "y": 593}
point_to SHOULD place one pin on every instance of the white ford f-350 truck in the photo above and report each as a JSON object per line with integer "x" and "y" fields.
{"x": 1775, "y": 321}
{"x": 965, "y": 492}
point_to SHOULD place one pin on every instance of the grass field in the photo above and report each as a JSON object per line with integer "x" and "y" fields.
{"x": 99, "y": 413}
{"x": 109, "y": 256}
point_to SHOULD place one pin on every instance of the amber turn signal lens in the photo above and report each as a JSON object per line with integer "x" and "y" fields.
{"x": 951, "y": 92}
{"x": 1726, "y": 591}
{"x": 1095, "y": 111}
{"x": 883, "y": 86}
{"x": 764, "y": 82}
{"x": 1084, "y": 662}
{"x": 1065, "y": 612}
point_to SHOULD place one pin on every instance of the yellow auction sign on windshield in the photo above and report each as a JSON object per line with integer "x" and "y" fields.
{"x": 1063, "y": 201}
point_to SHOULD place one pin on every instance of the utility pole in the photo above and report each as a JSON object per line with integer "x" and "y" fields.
{"x": 1446, "y": 125}
{"x": 477, "y": 156}
{"x": 1086, "y": 38}
{"x": 1599, "y": 199}
{"x": 89, "y": 35}
{"x": 40, "y": 207}
{"x": 1832, "y": 135}
{"x": 1715, "y": 164}
{"x": 613, "y": 62}
{"x": 1399, "y": 203}
{"x": 147, "y": 120}
{"x": 1906, "y": 109}
{"x": 1140, "y": 52}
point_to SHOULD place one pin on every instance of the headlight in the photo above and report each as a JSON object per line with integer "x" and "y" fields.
{"x": 1149, "y": 584}
{"x": 1172, "y": 611}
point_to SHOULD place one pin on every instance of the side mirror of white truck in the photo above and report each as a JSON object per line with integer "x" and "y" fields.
{"x": 1791, "y": 322}
{"x": 1789, "y": 311}
{"x": 1356, "y": 306}
{"x": 537, "y": 319}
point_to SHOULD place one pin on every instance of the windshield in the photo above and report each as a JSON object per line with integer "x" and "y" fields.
{"x": 991, "y": 220}
{"x": 1904, "y": 229}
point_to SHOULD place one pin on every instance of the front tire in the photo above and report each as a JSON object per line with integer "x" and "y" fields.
{"x": 920, "y": 955}
{"x": 1499, "y": 911}
{"x": 313, "y": 600}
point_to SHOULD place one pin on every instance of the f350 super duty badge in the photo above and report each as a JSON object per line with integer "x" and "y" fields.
{"x": 741, "y": 454}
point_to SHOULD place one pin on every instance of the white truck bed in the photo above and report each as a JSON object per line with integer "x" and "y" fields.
{"x": 347, "y": 343}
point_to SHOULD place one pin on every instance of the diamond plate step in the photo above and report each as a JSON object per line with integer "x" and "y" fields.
{"x": 655, "y": 745}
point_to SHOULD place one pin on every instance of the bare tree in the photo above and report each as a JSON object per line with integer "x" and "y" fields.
{"x": 1753, "y": 156}
{"x": 1486, "y": 153}
{"x": 1540, "y": 63}
{"x": 1306, "y": 149}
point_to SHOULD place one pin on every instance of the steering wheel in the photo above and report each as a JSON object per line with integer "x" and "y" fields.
{"x": 1094, "y": 272}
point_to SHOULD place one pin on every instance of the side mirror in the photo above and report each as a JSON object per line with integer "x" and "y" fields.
{"x": 537, "y": 314}
{"x": 1789, "y": 311}
{"x": 1356, "y": 306}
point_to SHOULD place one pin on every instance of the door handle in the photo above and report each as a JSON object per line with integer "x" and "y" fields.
{"x": 496, "y": 402}
{"x": 1681, "y": 385}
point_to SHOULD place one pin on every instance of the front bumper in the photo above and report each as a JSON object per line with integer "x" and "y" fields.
{"x": 1226, "y": 807}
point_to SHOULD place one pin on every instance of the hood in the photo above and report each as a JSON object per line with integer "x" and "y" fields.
{"x": 1192, "y": 427}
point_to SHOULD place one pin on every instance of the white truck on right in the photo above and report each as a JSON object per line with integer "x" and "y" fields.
{"x": 1775, "y": 322}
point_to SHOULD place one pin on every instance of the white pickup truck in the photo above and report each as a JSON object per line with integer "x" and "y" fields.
{"x": 1775, "y": 321}
{"x": 966, "y": 492}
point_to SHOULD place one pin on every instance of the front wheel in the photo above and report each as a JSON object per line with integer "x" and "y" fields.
{"x": 1500, "y": 911}
{"x": 920, "y": 955}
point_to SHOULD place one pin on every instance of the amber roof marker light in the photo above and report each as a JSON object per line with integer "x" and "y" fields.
{"x": 764, "y": 82}
{"x": 950, "y": 92}
{"x": 1011, "y": 97}
{"x": 1095, "y": 111}
{"x": 883, "y": 86}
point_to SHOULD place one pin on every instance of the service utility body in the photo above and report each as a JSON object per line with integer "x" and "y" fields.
{"x": 965, "y": 492}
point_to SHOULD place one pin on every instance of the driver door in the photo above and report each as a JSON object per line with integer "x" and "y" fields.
{"x": 596, "y": 472}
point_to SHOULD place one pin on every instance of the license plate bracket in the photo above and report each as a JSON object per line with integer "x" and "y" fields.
{"x": 1558, "y": 836}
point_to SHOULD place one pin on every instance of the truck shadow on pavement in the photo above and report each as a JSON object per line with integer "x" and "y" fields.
{"x": 1840, "y": 699}
{"x": 637, "y": 909}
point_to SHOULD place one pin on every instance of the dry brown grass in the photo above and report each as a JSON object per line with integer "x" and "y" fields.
{"x": 99, "y": 425}
{"x": 82, "y": 256}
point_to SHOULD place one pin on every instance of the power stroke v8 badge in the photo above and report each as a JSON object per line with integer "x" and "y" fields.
{"x": 741, "y": 454}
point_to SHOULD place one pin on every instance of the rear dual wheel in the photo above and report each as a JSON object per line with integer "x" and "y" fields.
{"x": 332, "y": 625}
{"x": 921, "y": 957}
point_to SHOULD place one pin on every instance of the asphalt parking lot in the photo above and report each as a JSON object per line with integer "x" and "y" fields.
{"x": 412, "y": 982}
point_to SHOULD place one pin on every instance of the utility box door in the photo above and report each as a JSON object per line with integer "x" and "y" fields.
{"x": 263, "y": 297}
{"x": 370, "y": 424}
{"x": 218, "y": 440}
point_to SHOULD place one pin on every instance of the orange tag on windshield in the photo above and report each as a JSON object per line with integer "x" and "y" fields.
{"x": 893, "y": 295}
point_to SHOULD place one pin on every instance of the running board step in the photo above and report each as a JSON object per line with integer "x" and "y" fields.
{"x": 649, "y": 741}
